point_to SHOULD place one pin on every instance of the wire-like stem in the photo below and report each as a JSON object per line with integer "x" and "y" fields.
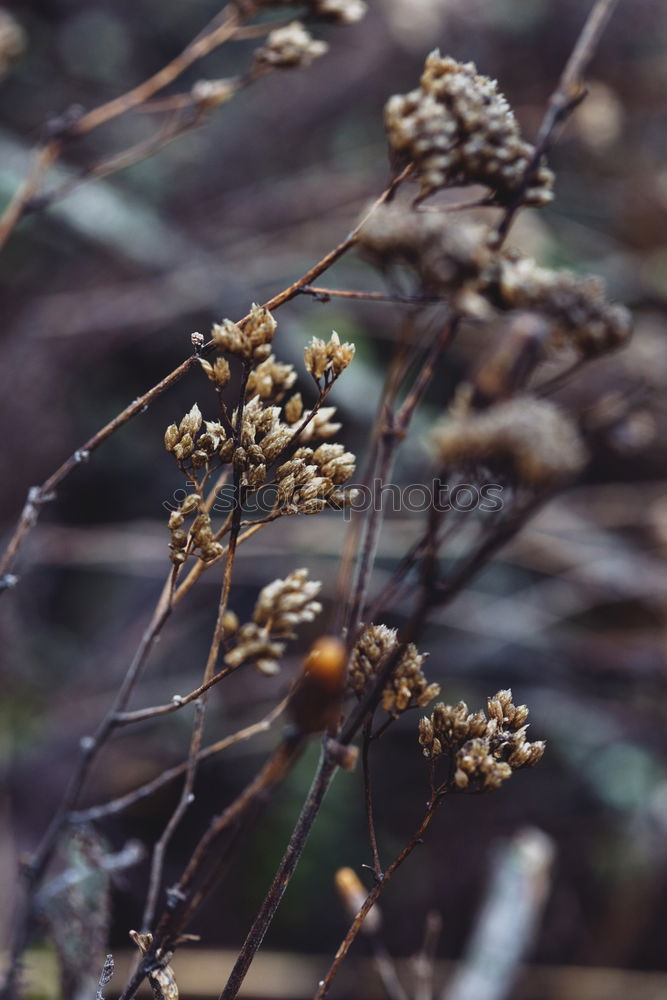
{"x": 150, "y": 787}
{"x": 373, "y": 895}
{"x": 568, "y": 93}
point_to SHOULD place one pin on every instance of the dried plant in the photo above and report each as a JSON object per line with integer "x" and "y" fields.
{"x": 249, "y": 430}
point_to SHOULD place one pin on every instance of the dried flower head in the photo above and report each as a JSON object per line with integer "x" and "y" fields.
{"x": 341, "y": 11}
{"x": 199, "y": 539}
{"x": 219, "y": 372}
{"x": 373, "y": 645}
{"x": 485, "y": 750}
{"x": 407, "y": 686}
{"x": 310, "y": 480}
{"x": 321, "y": 426}
{"x": 284, "y": 604}
{"x": 583, "y": 316}
{"x": 290, "y": 47}
{"x": 251, "y": 340}
{"x": 212, "y": 93}
{"x": 457, "y": 128}
{"x": 280, "y": 607}
{"x": 528, "y": 439}
{"x": 327, "y": 359}
{"x": 270, "y": 379}
{"x": 447, "y": 254}
{"x": 193, "y": 450}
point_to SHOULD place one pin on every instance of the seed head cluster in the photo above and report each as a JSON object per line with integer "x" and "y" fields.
{"x": 265, "y": 441}
{"x": 327, "y": 360}
{"x": 528, "y": 440}
{"x": 309, "y": 481}
{"x": 486, "y": 748}
{"x": 193, "y": 450}
{"x": 252, "y": 340}
{"x": 446, "y": 256}
{"x": 199, "y": 540}
{"x": 458, "y": 129}
{"x": 407, "y": 687}
{"x": 281, "y": 606}
{"x": 583, "y": 317}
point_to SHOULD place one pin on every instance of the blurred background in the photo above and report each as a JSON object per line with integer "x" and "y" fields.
{"x": 100, "y": 295}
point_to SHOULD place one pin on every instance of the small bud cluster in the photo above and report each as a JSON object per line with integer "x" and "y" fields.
{"x": 529, "y": 440}
{"x": 200, "y": 539}
{"x": 457, "y": 128}
{"x": 486, "y": 750}
{"x": 219, "y": 372}
{"x": 583, "y": 316}
{"x": 192, "y": 449}
{"x": 252, "y": 340}
{"x": 211, "y": 94}
{"x": 280, "y": 607}
{"x": 270, "y": 380}
{"x": 407, "y": 686}
{"x": 290, "y": 47}
{"x": 373, "y": 646}
{"x": 327, "y": 360}
{"x": 310, "y": 480}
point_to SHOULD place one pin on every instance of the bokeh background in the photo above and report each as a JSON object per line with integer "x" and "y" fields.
{"x": 100, "y": 295}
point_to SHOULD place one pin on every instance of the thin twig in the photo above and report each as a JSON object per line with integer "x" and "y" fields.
{"x": 368, "y": 797}
{"x": 562, "y": 102}
{"x": 157, "y": 863}
{"x": 39, "y": 495}
{"x": 217, "y": 32}
{"x": 131, "y": 798}
{"x": 185, "y": 800}
{"x": 89, "y": 748}
{"x": 396, "y": 427}
{"x": 373, "y": 895}
{"x": 324, "y": 294}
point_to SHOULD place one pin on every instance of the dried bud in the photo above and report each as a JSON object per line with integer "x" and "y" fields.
{"x": 219, "y": 372}
{"x": 212, "y": 93}
{"x": 290, "y": 47}
{"x": 191, "y": 422}
{"x": 327, "y": 358}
